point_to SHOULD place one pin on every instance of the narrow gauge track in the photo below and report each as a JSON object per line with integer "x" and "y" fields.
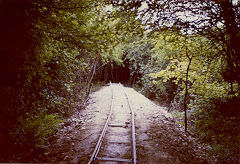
{"x": 117, "y": 143}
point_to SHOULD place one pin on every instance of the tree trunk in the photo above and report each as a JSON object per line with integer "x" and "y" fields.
{"x": 186, "y": 91}
{"x": 89, "y": 82}
{"x": 233, "y": 50}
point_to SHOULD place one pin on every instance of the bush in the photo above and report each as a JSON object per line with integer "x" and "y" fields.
{"x": 32, "y": 133}
{"x": 217, "y": 124}
{"x": 35, "y": 130}
{"x": 163, "y": 92}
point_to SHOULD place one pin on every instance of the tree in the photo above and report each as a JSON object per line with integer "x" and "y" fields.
{"x": 50, "y": 51}
{"x": 218, "y": 20}
{"x": 207, "y": 96}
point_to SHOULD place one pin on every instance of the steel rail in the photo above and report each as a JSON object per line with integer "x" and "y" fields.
{"x": 100, "y": 140}
{"x": 99, "y": 143}
{"x": 133, "y": 128}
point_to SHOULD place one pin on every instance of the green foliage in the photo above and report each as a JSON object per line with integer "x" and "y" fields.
{"x": 37, "y": 129}
{"x": 211, "y": 102}
{"x": 142, "y": 57}
{"x": 137, "y": 57}
{"x": 217, "y": 124}
{"x": 50, "y": 53}
{"x": 159, "y": 62}
{"x": 179, "y": 117}
{"x": 211, "y": 82}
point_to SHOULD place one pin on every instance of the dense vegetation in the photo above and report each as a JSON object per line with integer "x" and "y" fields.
{"x": 50, "y": 52}
{"x": 184, "y": 54}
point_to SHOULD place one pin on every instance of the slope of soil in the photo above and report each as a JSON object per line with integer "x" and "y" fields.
{"x": 159, "y": 139}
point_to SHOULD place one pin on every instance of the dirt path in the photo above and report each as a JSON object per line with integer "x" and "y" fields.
{"x": 159, "y": 139}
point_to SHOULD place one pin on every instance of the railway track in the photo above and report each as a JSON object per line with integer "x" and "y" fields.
{"x": 117, "y": 143}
